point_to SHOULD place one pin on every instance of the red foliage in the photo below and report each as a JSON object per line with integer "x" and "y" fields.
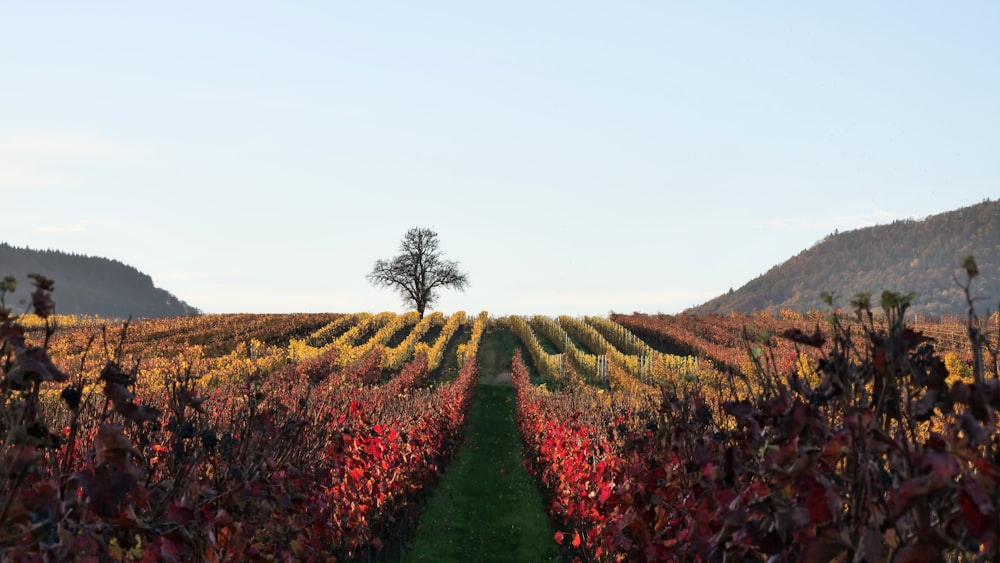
{"x": 881, "y": 460}
{"x": 306, "y": 463}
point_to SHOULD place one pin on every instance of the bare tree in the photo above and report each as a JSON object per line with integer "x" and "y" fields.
{"x": 418, "y": 271}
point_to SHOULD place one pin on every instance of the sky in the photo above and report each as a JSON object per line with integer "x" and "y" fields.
{"x": 573, "y": 157}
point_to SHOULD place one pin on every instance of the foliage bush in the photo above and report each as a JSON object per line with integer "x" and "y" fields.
{"x": 873, "y": 454}
{"x": 308, "y": 462}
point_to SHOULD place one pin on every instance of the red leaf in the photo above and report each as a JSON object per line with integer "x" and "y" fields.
{"x": 825, "y": 547}
{"x": 879, "y": 361}
{"x": 834, "y": 449}
{"x": 605, "y": 493}
{"x": 576, "y": 539}
{"x": 918, "y": 552}
{"x": 817, "y": 502}
{"x": 172, "y": 548}
{"x": 912, "y": 492}
{"x": 859, "y": 420}
{"x": 976, "y": 520}
{"x": 13, "y": 334}
{"x": 106, "y": 488}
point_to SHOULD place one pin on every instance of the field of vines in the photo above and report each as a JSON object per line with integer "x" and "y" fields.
{"x": 840, "y": 436}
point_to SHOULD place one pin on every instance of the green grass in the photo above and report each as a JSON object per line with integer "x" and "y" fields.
{"x": 487, "y": 507}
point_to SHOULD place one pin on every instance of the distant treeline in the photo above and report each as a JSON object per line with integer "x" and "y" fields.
{"x": 922, "y": 256}
{"x": 89, "y": 285}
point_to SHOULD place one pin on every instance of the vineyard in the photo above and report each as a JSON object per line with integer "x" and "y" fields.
{"x": 320, "y": 437}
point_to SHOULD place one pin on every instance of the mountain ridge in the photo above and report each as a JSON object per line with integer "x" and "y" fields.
{"x": 919, "y": 255}
{"x": 89, "y": 285}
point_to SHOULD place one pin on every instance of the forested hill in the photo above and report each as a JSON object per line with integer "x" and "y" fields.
{"x": 921, "y": 256}
{"x": 88, "y": 285}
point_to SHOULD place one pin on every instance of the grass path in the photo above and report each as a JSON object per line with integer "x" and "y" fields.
{"x": 487, "y": 508}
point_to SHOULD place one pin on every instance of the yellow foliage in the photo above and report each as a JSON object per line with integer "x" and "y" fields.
{"x": 389, "y": 324}
{"x": 807, "y": 369}
{"x": 957, "y": 369}
{"x": 322, "y": 335}
{"x": 621, "y": 381}
{"x": 791, "y": 315}
{"x": 33, "y": 321}
{"x": 299, "y": 350}
{"x": 421, "y": 348}
{"x": 549, "y": 365}
{"x": 436, "y": 353}
{"x": 348, "y": 350}
{"x": 471, "y": 348}
{"x": 394, "y": 358}
{"x": 586, "y": 363}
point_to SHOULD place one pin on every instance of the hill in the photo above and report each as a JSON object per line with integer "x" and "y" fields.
{"x": 921, "y": 256}
{"x": 89, "y": 285}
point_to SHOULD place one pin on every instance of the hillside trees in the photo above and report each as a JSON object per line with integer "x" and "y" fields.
{"x": 906, "y": 255}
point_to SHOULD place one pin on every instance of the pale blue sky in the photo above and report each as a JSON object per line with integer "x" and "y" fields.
{"x": 574, "y": 157}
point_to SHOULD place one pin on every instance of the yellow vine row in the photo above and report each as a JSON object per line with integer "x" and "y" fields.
{"x": 471, "y": 348}
{"x": 299, "y": 349}
{"x": 349, "y": 354}
{"x": 322, "y": 336}
{"x": 548, "y": 364}
{"x": 589, "y": 364}
{"x": 647, "y": 364}
{"x": 394, "y": 358}
{"x": 435, "y": 353}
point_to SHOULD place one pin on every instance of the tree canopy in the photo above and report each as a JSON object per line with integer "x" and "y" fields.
{"x": 419, "y": 270}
